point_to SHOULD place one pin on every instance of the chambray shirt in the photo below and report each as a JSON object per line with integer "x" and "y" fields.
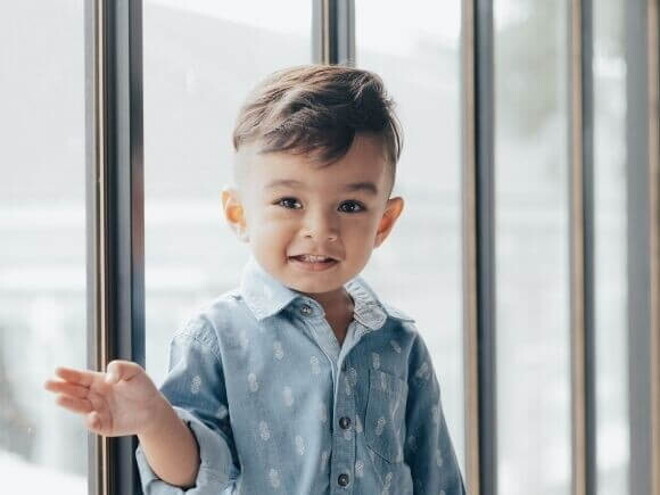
{"x": 277, "y": 406}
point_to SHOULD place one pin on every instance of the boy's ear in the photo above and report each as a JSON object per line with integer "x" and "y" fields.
{"x": 392, "y": 211}
{"x": 235, "y": 213}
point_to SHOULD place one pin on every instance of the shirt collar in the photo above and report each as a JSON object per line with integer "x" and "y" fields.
{"x": 263, "y": 293}
{"x": 266, "y": 296}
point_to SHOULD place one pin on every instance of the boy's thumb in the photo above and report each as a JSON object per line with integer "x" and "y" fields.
{"x": 119, "y": 370}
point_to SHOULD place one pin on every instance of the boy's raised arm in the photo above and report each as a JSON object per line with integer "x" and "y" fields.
{"x": 124, "y": 401}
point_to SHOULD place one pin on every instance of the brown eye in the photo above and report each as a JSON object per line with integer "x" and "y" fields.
{"x": 289, "y": 203}
{"x": 351, "y": 207}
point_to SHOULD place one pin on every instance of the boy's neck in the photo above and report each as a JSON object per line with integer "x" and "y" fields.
{"x": 338, "y": 307}
{"x": 336, "y": 303}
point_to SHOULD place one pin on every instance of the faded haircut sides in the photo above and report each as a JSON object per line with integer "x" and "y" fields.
{"x": 317, "y": 110}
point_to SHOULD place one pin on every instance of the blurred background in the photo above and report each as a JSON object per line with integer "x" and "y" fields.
{"x": 200, "y": 60}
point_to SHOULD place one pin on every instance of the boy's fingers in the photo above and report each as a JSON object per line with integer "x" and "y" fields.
{"x": 121, "y": 370}
{"x": 73, "y": 404}
{"x": 67, "y": 389}
{"x": 84, "y": 378}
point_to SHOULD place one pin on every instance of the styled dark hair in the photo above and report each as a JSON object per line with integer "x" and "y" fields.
{"x": 317, "y": 110}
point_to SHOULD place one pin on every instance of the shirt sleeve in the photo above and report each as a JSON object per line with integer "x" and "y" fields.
{"x": 428, "y": 449}
{"x": 195, "y": 387}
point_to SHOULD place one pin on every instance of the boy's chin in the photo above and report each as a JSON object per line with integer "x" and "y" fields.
{"x": 313, "y": 289}
{"x": 320, "y": 286}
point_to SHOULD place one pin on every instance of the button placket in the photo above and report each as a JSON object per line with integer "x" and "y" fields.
{"x": 343, "y": 438}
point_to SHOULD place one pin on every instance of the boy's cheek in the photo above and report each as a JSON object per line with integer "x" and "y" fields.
{"x": 363, "y": 229}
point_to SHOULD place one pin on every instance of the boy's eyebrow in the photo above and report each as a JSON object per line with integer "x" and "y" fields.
{"x": 369, "y": 187}
{"x": 283, "y": 182}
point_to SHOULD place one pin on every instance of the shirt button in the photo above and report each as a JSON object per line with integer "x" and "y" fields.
{"x": 345, "y": 422}
{"x": 306, "y": 309}
{"x": 343, "y": 479}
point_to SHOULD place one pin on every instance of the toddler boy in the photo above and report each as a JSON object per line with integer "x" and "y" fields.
{"x": 301, "y": 381}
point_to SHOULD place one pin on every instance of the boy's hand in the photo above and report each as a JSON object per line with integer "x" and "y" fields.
{"x": 122, "y": 401}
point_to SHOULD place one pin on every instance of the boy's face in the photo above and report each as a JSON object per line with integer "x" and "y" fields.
{"x": 313, "y": 228}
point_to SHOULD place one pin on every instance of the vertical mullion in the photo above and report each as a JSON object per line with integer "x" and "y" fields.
{"x": 321, "y": 32}
{"x": 588, "y": 186}
{"x": 115, "y": 215}
{"x": 333, "y": 32}
{"x": 582, "y": 250}
{"x": 95, "y": 213}
{"x": 643, "y": 183}
{"x": 653, "y": 119}
{"x": 479, "y": 245}
{"x": 345, "y": 32}
{"x": 471, "y": 363}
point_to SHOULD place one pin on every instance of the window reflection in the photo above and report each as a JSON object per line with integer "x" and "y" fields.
{"x": 609, "y": 68}
{"x": 531, "y": 198}
{"x": 43, "y": 448}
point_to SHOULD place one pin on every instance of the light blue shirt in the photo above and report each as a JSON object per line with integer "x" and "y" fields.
{"x": 279, "y": 407}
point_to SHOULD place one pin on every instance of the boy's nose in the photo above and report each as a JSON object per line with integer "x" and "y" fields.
{"x": 321, "y": 227}
{"x": 331, "y": 236}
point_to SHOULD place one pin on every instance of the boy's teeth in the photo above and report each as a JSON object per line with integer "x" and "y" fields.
{"x": 313, "y": 259}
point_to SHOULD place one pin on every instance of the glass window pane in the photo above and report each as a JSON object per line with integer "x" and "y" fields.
{"x": 43, "y": 448}
{"x": 611, "y": 248}
{"x": 201, "y": 59}
{"x": 532, "y": 247}
{"x": 417, "y": 53}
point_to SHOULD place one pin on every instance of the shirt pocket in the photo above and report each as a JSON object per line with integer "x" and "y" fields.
{"x": 384, "y": 427}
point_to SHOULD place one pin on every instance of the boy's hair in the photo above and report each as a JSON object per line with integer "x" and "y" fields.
{"x": 317, "y": 110}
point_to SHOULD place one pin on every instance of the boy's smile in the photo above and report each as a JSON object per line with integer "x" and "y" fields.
{"x": 313, "y": 227}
